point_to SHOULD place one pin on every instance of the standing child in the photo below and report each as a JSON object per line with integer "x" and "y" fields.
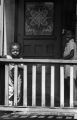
{"x": 15, "y": 50}
{"x": 69, "y": 53}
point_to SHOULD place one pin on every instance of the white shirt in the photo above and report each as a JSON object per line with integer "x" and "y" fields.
{"x": 70, "y": 46}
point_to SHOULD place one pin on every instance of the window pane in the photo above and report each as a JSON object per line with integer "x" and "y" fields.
{"x": 39, "y": 18}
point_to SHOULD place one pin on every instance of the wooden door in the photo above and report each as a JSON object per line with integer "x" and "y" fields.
{"x": 38, "y": 30}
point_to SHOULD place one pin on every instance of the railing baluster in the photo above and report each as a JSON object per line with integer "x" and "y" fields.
{"x": 71, "y": 86}
{"x": 52, "y": 86}
{"x": 43, "y": 86}
{"x": 25, "y": 86}
{"x": 6, "y": 84}
{"x": 33, "y": 85}
{"x": 61, "y": 86}
{"x": 15, "y": 84}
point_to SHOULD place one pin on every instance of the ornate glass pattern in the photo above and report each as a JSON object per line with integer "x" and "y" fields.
{"x": 39, "y": 18}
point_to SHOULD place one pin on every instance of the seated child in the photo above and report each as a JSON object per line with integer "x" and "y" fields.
{"x": 15, "y": 53}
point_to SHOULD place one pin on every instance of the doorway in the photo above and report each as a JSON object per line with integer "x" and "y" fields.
{"x": 39, "y": 32}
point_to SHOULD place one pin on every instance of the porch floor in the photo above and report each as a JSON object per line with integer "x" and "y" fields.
{"x": 35, "y": 113}
{"x": 18, "y": 116}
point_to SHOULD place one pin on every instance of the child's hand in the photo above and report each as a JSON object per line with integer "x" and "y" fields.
{"x": 20, "y": 65}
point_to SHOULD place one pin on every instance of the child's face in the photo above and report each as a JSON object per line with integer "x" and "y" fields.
{"x": 15, "y": 51}
{"x": 68, "y": 35}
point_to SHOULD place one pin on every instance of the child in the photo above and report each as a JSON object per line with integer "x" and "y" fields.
{"x": 15, "y": 53}
{"x": 69, "y": 53}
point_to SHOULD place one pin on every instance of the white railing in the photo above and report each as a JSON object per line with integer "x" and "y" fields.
{"x": 43, "y": 62}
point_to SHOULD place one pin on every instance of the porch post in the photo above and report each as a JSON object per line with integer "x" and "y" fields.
{"x": 5, "y": 34}
{"x": 1, "y": 25}
{"x": 76, "y": 24}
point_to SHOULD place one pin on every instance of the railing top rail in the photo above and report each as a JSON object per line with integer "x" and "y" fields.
{"x": 51, "y": 61}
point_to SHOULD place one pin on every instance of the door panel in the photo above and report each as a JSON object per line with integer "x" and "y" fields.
{"x": 38, "y": 48}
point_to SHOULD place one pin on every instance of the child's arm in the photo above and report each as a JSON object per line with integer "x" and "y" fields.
{"x": 70, "y": 55}
{"x": 6, "y": 56}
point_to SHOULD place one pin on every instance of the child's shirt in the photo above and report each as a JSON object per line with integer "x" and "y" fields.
{"x": 70, "y": 46}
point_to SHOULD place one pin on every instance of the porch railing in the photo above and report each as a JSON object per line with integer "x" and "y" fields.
{"x": 52, "y": 63}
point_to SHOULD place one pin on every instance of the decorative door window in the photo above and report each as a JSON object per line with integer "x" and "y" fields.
{"x": 39, "y": 18}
